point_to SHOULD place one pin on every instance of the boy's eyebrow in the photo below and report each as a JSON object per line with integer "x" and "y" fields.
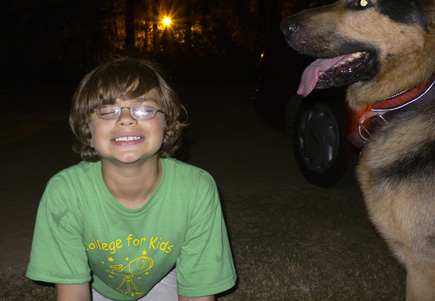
{"x": 144, "y": 99}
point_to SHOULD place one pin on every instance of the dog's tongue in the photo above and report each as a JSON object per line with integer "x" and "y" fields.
{"x": 310, "y": 76}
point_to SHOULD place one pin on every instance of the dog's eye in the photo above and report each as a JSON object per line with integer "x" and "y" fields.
{"x": 364, "y": 3}
{"x": 359, "y": 4}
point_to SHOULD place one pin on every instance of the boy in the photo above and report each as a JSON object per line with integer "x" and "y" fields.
{"x": 114, "y": 226}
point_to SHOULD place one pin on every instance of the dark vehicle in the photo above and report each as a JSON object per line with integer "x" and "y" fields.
{"x": 318, "y": 124}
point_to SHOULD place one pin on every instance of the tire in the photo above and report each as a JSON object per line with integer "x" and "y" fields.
{"x": 323, "y": 153}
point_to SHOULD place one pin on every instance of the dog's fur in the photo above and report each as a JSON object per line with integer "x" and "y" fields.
{"x": 397, "y": 166}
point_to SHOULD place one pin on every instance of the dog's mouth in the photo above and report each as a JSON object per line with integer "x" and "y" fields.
{"x": 338, "y": 71}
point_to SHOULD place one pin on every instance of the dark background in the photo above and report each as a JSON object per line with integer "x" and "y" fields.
{"x": 60, "y": 40}
{"x": 290, "y": 239}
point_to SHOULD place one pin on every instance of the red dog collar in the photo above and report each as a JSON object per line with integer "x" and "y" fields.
{"x": 382, "y": 112}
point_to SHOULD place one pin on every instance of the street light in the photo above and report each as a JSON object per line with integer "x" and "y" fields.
{"x": 167, "y": 21}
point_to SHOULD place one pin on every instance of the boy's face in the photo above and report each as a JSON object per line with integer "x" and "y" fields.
{"x": 126, "y": 139}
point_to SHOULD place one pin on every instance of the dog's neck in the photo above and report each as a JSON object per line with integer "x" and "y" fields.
{"x": 370, "y": 117}
{"x": 401, "y": 98}
{"x": 362, "y": 94}
{"x": 400, "y": 72}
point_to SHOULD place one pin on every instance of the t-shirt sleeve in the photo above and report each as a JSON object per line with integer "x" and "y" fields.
{"x": 58, "y": 254}
{"x": 205, "y": 265}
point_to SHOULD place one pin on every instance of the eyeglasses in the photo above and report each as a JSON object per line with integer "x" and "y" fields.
{"x": 138, "y": 112}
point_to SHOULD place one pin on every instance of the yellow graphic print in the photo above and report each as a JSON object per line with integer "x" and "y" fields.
{"x": 127, "y": 277}
{"x": 135, "y": 267}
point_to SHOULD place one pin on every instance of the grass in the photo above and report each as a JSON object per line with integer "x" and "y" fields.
{"x": 310, "y": 245}
{"x": 300, "y": 244}
{"x": 15, "y": 287}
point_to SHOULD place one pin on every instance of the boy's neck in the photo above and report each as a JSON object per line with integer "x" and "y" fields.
{"x": 132, "y": 184}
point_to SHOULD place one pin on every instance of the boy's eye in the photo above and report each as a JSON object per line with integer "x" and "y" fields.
{"x": 107, "y": 110}
{"x": 107, "y": 113}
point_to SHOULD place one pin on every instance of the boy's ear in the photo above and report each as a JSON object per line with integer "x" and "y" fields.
{"x": 167, "y": 136}
{"x": 91, "y": 142}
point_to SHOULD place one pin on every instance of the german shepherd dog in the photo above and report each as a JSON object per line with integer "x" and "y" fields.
{"x": 384, "y": 51}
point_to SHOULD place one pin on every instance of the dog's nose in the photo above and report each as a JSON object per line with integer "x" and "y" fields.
{"x": 289, "y": 27}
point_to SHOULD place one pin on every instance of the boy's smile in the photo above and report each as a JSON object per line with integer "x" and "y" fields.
{"x": 128, "y": 138}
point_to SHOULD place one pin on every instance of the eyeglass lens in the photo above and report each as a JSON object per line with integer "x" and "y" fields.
{"x": 138, "y": 112}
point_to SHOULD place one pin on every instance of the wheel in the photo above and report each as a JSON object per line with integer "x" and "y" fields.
{"x": 324, "y": 155}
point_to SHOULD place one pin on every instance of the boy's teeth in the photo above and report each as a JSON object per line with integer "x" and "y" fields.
{"x": 127, "y": 138}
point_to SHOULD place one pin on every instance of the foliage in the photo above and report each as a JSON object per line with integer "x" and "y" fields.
{"x": 43, "y": 35}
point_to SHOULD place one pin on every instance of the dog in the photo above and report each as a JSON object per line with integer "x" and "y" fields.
{"x": 384, "y": 52}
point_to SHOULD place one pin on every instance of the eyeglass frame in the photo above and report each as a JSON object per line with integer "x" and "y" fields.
{"x": 118, "y": 111}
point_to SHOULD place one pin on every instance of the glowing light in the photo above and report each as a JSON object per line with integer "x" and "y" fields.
{"x": 167, "y": 21}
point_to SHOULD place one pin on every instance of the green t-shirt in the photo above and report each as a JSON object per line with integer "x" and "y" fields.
{"x": 83, "y": 234}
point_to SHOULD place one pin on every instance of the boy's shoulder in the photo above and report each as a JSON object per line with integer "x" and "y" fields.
{"x": 185, "y": 172}
{"x": 177, "y": 166}
{"x": 71, "y": 182}
{"x": 81, "y": 170}
{"x": 81, "y": 167}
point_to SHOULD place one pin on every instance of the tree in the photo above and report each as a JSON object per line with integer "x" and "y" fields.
{"x": 130, "y": 41}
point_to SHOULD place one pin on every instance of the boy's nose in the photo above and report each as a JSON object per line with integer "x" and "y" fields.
{"x": 125, "y": 118}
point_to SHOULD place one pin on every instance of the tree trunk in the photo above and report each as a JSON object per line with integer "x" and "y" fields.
{"x": 129, "y": 26}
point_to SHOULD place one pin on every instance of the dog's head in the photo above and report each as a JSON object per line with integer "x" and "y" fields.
{"x": 378, "y": 47}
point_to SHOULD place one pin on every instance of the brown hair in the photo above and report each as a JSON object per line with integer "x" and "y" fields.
{"x": 129, "y": 78}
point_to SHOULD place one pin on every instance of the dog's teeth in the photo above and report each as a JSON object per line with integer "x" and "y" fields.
{"x": 355, "y": 55}
{"x": 350, "y": 58}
